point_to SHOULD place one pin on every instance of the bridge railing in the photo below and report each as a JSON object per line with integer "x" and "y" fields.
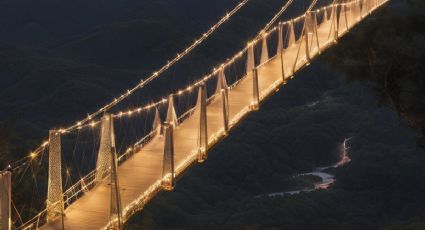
{"x": 36, "y": 221}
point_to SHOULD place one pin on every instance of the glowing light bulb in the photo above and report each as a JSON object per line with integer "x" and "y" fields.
{"x": 33, "y": 155}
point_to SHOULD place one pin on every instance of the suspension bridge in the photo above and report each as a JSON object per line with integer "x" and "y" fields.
{"x": 121, "y": 184}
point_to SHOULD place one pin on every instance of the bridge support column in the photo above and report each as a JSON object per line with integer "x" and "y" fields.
{"x": 156, "y": 127}
{"x": 292, "y": 42}
{"x": 325, "y": 16}
{"x": 369, "y": 7}
{"x": 171, "y": 113}
{"x": 107, "y": 166}
{"x": 291, "y": 31}
{"x": 357, "y": 11}
{"x": 255, "y": 105}
{"x": 168, "y": 174}
{"x": 264, "y": 50}
{"x": 250, "y": 62}
{"x": 334, "y": 27}
{"x": 115, "y": 205}
{"x": 362, "y": 9}
{"x": 280, "y": 38}
{"x": 316, "y": 32}
{"x": 347, "y": 26}
{"x": 106, "y": 148}
{"x": 203, "y": 132}
{"x": 222, "y": 88}
{"x": 280, "y": 50}
{"x": 307, "y": 24}
{"x": 225, "y": 103}
{"x": 55, "y": 205}
{"x": 5, "y": 200}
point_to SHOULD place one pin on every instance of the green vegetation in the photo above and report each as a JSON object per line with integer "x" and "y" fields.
{"x": 391, "y": 58}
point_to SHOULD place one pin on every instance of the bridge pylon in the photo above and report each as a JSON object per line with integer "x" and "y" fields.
{"x": 315, "y": 39}
{"x": 342, "y": 20}
{"x": 280, "y": 49}
{"x": 291, "y": 41}
{"x": 255, "y": 105}
{"x": 106, "y": 148}
{"x": 250, "y": 60}
{"x": 280, "y": 38}
{"x": 358, "y": 11}
{"x": 365, "y": 10}
{"x": 54, "y": 203}
{"x": 334, "y": 25}
{"x": 156, "y": 127}
{"x": 291, "y": 35}
{"x": 5, "y": 200}
{"x": 168, "y": 173}
{"x": 223, "y": 90}
{"x": 107, "y": 166}
{"x": 115, "y": 205}
{"x": 171, "y": 113}
{"x": 203, "y": 132}
{"x": 307, "y": 31}
{"x": 264, "y": 50}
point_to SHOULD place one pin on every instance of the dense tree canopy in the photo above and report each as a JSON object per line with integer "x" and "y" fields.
{"x": 389, "y": 51}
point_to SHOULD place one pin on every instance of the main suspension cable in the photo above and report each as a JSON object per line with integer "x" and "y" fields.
{"x": 142, "y": 84}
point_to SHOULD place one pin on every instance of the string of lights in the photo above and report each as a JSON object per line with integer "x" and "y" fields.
{"x": 80, "y": 124}
{"x": 264, "y": 33}
{"x": 88, "y": 122}
{"x": 165, "y": 67}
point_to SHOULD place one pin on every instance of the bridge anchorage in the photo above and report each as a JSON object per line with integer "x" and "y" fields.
{"x": 121, "y": 184}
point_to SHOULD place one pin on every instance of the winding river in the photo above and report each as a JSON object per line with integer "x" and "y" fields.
{"x": 327, "y": 179}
